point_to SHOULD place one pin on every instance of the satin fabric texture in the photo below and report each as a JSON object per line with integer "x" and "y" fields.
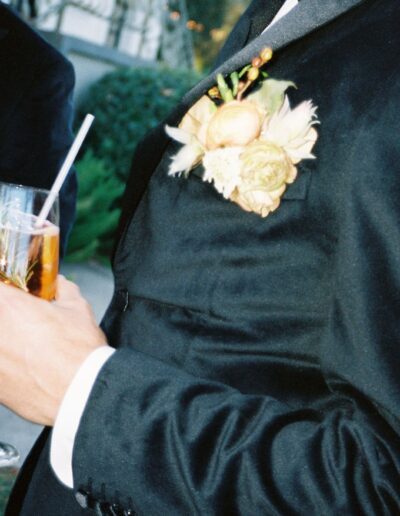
{"x": 257, "y": 361}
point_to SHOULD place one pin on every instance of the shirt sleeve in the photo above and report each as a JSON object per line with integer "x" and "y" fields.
{"x": 70, "y": 413}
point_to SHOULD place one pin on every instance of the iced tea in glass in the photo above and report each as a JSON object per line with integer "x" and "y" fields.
{"x": 28, "y": 254}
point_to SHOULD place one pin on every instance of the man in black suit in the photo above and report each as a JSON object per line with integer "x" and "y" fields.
{"x": 256, "y": 362}
{"x": 36, "y": 85}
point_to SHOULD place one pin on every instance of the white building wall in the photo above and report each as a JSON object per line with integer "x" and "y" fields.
{"x": 140, "y": 38}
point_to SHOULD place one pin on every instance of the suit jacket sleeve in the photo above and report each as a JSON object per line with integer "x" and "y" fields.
{"x": 172, "y": 442}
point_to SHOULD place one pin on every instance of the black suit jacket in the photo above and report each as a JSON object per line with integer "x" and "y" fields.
{"x": 36, "y": 84}
{"x": 257, "y": 362}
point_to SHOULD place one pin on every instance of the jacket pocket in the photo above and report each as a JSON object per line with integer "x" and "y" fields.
{"x": 298, "y": 190}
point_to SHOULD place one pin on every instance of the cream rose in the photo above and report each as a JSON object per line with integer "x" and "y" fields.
{"x": 265, "y": 171}
{"x": 196, "y": 120}
{"x": 249, "y": 147}
{"x": 234, "y": 124}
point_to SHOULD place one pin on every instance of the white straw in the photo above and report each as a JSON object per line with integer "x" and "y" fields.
{"x": 73, "y": 151}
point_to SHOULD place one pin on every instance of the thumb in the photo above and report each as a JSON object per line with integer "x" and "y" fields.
{"x": 67, "y": 291}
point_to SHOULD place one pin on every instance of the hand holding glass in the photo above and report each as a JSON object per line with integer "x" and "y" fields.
{"x": 29, "y": 252}
{"x": 29, "y": 239}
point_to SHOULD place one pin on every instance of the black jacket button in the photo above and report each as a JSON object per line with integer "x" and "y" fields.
{"x": 102, "y": 508}
{"x": 83, "y": 497}
{"x": 116, "y": 510}
{"x": 107, "y": 509}
{"x": 99, "y": 510}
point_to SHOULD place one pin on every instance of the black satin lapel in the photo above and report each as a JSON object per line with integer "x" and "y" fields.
{"x": 306, "y": 17}
{"x": 257, "y": 16}
{"x": 263, "y": 14}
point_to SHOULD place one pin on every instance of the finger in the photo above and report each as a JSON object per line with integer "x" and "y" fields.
{"x": 67, "y": 290}
{"x": 14, "y": 299}
{"x": 10, "y": 291}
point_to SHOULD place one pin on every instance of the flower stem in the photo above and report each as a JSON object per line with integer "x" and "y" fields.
{"x": 244, "y": 89}
{"x": 226, "y": 92}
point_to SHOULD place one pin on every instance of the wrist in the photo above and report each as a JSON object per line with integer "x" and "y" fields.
{"x": 71, "y": 411}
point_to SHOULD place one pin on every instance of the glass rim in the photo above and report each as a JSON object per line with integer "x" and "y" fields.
{"x": 25, "y": 187}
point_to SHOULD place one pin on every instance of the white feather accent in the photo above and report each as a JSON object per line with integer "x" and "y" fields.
{"x": 179, "y": 135}
{"x": 292, "y": 129}
{"x": 186, "y": 159}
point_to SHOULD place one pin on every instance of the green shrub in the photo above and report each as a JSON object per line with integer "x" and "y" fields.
{"x": 97, "y": 216}
{"x": 126, "y": 104}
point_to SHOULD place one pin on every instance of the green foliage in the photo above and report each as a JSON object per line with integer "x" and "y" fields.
{"x": 126, "y": 104}
{"x": 97, "y": 215}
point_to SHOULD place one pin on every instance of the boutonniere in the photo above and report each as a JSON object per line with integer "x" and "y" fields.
{"x": 247, "y": 137}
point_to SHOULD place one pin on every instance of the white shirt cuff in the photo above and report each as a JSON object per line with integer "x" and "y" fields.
{"x": 70, "y": 413}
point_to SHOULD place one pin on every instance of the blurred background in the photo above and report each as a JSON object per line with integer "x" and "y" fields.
{"x": 133, "y": 59}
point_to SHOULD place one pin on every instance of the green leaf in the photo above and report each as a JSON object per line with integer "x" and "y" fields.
{"x": 235, "y": 83}
{"x": 225, "y": 91}
{"x": 271, "y": 94}
{"x": 244, "y": 70}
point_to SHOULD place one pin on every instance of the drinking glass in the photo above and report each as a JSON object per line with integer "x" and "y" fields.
{"x": 29, "y": 253}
